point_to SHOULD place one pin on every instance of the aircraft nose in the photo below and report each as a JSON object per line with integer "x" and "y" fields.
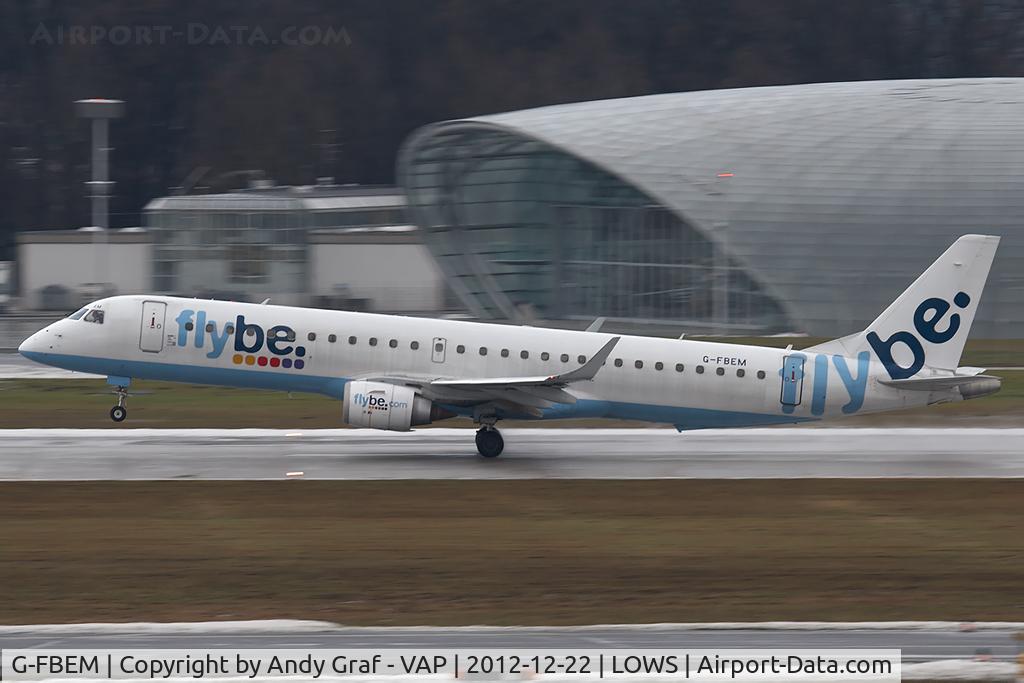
{"x": 34, "y": 345}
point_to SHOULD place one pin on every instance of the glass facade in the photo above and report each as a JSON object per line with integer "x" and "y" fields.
{"x": 525, "y": 230}
{"x": 242, "y": 244}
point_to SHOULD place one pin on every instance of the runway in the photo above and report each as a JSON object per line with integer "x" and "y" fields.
{"x": 144, "y": 454}
{"x": 917, "y": 646}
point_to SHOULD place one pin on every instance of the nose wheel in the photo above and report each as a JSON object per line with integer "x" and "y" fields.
{"x": 119, "y": 412}
{"x": 489, "y": 442}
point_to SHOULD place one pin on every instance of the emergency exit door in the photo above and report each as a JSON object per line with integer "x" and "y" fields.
{"x": 792, "y": 380}
{"x": 151, "y": 338}
{"x": 438, "y": 350}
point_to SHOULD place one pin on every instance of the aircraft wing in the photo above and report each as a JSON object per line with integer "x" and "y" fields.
{"x": 587, "y": 371}
{"x": 513, "y": 394}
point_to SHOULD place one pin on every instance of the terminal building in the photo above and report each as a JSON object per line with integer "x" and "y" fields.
{"x": 803, "y": 208}
{"x": 334, "y": 246}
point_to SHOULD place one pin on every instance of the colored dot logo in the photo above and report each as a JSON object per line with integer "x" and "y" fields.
{"x": 264, "y": 361}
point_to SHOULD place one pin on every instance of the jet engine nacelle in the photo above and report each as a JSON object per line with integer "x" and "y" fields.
{"x": 379, "y": 405}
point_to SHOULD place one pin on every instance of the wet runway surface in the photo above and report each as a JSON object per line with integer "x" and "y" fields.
{"x": 917, "y": 646}
{"x": 144, "y": 454}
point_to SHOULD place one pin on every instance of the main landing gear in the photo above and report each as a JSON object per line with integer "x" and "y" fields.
{"x": 119, "y": 412}
{"x": 489, "y": 442}
{"x": 488, "y": 439}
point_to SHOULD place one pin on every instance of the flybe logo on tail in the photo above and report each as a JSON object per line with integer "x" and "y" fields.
{"x": 253, "y": 345}
{"x": 927, "y": 318}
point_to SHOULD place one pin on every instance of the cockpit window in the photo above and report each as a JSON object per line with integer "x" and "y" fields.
{"x": 94, "y": 316}
{"x": 77, "y": 314}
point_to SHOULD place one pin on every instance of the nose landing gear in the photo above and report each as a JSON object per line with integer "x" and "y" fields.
{"x": 119, "y": 412}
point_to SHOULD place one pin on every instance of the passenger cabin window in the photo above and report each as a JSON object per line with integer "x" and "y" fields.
{"x": 524, "y": 354}
{"x": 639, "y": 365}
{"x": 618, "y": 362}
{"x": 188, "y": 326}
{"x": 77, "y": 314}
{"x": 311, "y": 336}
{"x": 659, "y": 365}
{"x": 700, "y": 369}
{"x": 393, "y": 343}
{"x": 458, "y": 349}
{"x": 94, "y": 316}
{"x": 332, "y": 338}
{"x": 679, "y": 367}
{"x": 439, "y": 347}
{"x": 209, "y": 328}
{"x": 483, "y": 350}
{"x": 504, "y": 353}
{"x": 415, "y": 345}
{"x": 229, "y": 328}
{"x": 720, "y": 371}
{"x": 760, "y": 374}
{"x": 565, "y": 358}
{"x": 545, "y": 355}
{"x": 582, "y": 360}
{"x": 373, "y": 341}
{"x": 352, "y": 340}
{"x": 740, "y": 372}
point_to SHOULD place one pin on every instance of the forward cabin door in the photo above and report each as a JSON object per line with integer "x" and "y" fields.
{"x": 438, "y": 349}
{"x": 792, "y": 380}
{"x": 151, "y": 338}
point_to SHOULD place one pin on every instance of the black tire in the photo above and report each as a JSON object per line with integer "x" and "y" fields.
{"x": 489, "y": 443}
{"x": 118, "y": 413}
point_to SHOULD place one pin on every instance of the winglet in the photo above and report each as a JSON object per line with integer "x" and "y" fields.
{"x": 596, "y": 325}
{"x": 589, "y": 369}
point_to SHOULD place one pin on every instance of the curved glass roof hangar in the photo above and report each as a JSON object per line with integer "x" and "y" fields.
{"x": 795, "y": 208}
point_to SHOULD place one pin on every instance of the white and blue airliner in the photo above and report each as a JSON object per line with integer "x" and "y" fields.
{"x": 396, "y": 372}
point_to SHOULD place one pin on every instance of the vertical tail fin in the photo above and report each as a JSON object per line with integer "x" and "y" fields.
{"x": 928, "y": 324}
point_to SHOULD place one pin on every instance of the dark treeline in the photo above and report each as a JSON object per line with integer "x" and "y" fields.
{"x": 210, "y": 93}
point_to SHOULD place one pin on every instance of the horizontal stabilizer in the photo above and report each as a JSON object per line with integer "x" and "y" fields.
{"x": 970, "y": 386}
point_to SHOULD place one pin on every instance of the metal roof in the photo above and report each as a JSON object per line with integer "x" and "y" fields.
{"x": 840, "y": 194}
{"x": 286, "y": 198}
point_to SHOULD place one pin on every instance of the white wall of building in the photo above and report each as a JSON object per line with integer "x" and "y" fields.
{"x": 74, "y": 265}
{"x": 394, "y": 277}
